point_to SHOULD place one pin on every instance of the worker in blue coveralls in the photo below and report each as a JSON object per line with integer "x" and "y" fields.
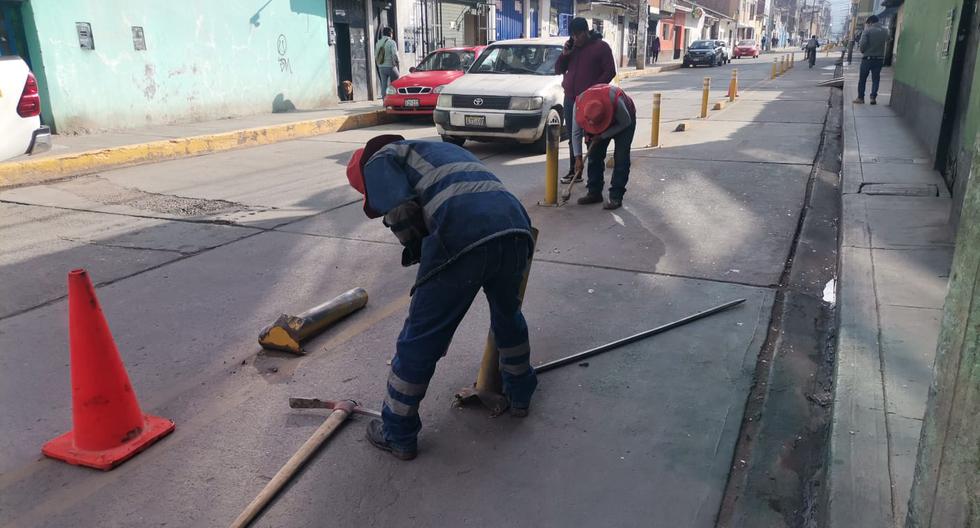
{"x": 458, "y": 222}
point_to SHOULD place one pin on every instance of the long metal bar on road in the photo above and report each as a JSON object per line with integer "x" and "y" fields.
{"x": 551, "y": 365}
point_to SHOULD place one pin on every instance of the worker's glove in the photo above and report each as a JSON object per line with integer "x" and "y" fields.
{"x": 408, "y": 225}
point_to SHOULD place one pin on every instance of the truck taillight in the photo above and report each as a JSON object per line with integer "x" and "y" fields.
{"x": 30, "y": 101}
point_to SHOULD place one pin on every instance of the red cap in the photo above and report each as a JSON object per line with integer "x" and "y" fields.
{"x": 355, "y": 167}
{"x": 594, "y": 109}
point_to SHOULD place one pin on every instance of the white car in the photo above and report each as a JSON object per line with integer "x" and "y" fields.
{"x": 20, "y": 111}
{"x": 509, "y": 94}
{"x": 725, "y": 50}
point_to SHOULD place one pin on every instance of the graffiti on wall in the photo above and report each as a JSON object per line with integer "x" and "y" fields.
{"x": 282, "y": 46}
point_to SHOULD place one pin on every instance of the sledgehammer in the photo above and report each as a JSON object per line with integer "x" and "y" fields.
{"x": 289, "y": 331}
{"x": 341, "y": 411}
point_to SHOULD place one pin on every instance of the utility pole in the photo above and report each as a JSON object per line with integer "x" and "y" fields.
{"x": 809, "y": 28}
{"x": 642, "y": 20}
{"x": 734, "y": 35}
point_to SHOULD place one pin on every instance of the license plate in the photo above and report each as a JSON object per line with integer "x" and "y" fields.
{"x": 411, "y": 102}
{"x": 475, "y": 121}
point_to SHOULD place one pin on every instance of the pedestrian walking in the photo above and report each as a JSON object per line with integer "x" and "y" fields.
{"x": 763, "y": 42}
{"x": 775, "y": 42}
{"x": 604, "y": 113}
{"x": 656, "y": 49}
{"x": 586, "y": 60}
{"x": 458, "y": 222}
{"x": 811, "y": 50}
{"x": 386, "y": 57}
{"x": 874, "y": 38}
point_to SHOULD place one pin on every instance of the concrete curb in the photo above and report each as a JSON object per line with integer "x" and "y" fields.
{"x": 74, "y": 164}
{"x": 644, "y": 72}
{"x": 858, "y": 488}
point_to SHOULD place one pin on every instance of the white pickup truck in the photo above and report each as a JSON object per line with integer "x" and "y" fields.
{"x": 20, "y": 111}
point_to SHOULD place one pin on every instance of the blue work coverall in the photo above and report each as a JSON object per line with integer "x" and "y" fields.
{"x": 475, "y": 235}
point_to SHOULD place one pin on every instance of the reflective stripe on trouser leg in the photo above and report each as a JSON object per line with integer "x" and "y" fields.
{"x": 403, "y": 397}
{"x": 436, "y": 310}
{"x": 515, "y": 360}
{"x": 507, "y": 321}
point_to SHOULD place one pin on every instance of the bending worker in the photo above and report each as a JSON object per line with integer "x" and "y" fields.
{"x": 458, "y": 222}
{"x": 604, "y": 113}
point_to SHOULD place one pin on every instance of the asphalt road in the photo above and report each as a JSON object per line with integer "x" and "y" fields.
{"x": 193, "y": 257}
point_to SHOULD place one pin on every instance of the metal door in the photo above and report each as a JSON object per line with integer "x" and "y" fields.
{"x": 954, "y": 153}
{"x": 351, "y": 13}
{"x": 510, "y": 19}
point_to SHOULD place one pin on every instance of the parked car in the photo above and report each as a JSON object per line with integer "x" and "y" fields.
{"x": 417, "y": 92}
{"x": 704, "y": 52}
{"x": 746, "y": 48}
{"x": 20, "y": 111}
{"x": 725, "y": 50}
{"x": 509, "y": 94}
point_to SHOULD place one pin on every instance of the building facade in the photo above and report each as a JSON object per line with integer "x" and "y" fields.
{"x": 119, "y": 64}
{"x": 937, "y": 82}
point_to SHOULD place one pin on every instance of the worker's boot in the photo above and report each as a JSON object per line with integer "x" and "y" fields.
{"x": 859, "y": 100}
{"x": 376, "y": 435}
{"x": 874, "y": 100}
{"x": 590, "y": 198}
{"x": 517, "y": 411}
{"x": 566, "y": 179}
{"x": 613, "y": 203}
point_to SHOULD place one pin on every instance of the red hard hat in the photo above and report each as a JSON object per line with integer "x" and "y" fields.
{"x": 355, "y": 167}
{"x": 594, "y": 109}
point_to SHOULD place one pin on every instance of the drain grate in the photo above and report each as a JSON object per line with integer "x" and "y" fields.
{"x": 900, "y": 189}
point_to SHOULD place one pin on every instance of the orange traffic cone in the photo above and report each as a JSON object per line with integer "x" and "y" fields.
{"x": 109, "y": 426}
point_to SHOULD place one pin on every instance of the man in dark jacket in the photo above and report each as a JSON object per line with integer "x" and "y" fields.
{"x": 466, "y": 232}
{"x": 586, "y": 61}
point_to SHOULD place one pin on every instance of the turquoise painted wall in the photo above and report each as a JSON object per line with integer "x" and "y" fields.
{"x": 203, "y": 60}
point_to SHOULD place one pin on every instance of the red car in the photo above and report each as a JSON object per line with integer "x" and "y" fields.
{"x": 417, "y": 92}
{"x": 746, "y": 48}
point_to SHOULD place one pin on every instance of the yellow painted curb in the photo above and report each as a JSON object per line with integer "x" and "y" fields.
{"x": 49, "y": 168}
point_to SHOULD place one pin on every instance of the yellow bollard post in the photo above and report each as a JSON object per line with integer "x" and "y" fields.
{"x": 792, "y": 60}
{"x": 705, "y": 89}
{"x": 655, "y": 122}
{"x": 552, "y": 132}
{"x": 775, "y": 62}
{"x": 733, "y": 86}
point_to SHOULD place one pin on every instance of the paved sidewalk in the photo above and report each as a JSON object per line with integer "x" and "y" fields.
{"x": 895, "y": 257}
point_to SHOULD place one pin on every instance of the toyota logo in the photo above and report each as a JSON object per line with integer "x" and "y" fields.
{"x": 478, "y": 101}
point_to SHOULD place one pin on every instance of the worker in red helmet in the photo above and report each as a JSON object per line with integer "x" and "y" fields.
{"x": 604, "y": 113}
{"x": 458, "y": 222}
